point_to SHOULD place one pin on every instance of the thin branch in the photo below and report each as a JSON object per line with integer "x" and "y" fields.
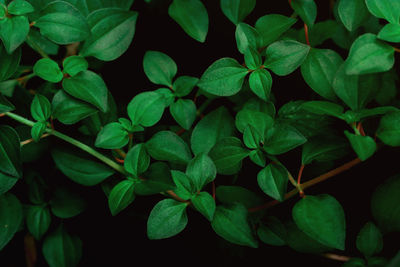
{"x": 336, "y": 257}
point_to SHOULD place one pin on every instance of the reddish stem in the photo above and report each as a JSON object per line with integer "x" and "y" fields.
{"x": 307, "y": 35}
{"x": 396, "y": 49}
{"x": 30, "y": 250}
{"x": 360, "y": 128}
{"x": 119, "y": 160}
{"x": 176, "y": 197}
{"x": 301, "y": 192}
{"x": 213, "y": 189}
{"x": 180, "y": 132}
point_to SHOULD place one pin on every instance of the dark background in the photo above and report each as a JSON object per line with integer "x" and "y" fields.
{"x": 121, "y": 240}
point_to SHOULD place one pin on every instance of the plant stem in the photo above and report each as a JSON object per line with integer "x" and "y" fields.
{"x": 336, "y": 257}
{"x": 37, "y": 47}
{"x": 72, "y": 141}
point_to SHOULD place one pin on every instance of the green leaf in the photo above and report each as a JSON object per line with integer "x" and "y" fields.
{"x": 212, "y": 128}
{"x": 320, "y": 32}
{"x": 284, "y": 57}
{"x": 5, "y": 105}
{"x": 252, "y": 137}
{"x": 389, "y": 129}
{"x": 167, "y": 95}
{"x": 121, "y": 196}
{"x": 236, "y": 194}
{"x": 184, "y": 85}
{"x": 158, "y": 180}
{"x": 88, "y": 6}
{"x": 9, "y": 63}
{"x": 364, "y": 146}
{"x": 168, "y": 146}
{"x": 38, "y": 220}
{"x": 69, "y": 110}
{"x": 13, "y": 32}
{"x": 237, "y": 10}
{"x": 273, "y": 181}
{"x": 306, "y": 9}
{"x": 60, "y": 249}
{"x": 272, "y": 232}
{"x": 166, "y": 219}
{"x": 10, "y": 152}
{"x": 159, "y": 68}
{"x": 324, "y": 108}
{"x": 319, "y": 70}
{"x": 137, "y": 160}
{"x": 184, "y": 112}
{"x": 390, "y": 33}
{"x": 322, "y": 218}
{"x": 10, "y": 218}
{"x": 20, "y": 7}
{"x": 48, "y": 70}
{"x": 299, "y": 241}
{"x": 352, "y": 13}
{"x": 369, "y": 55}
{"x": 40, "y": 43}
{"x": 385, "y": 9}
{"x": 38, "y": 130}
{"x": 224, "y": 77}
{"x": 272, "y": 26}
{"x": 75, "y": 64}
{"x": 205, "y": 204}
{"x": 283, "y": 138}
{"x": 231, "y": 224}
{"x": 89, "y": 87}
{"x": 146, "y": 109}
{"x": 112, "y": 31}
{"x": 62, "y": 23}
{"x": 66, "y": 204}
{"x": 257, "y": 119}
{"x": 260, "y": 82}
{"x": 252, "y": 59}
{"x": 201, "y": 170}
{"x": 6, "y": 183}
{"x": 192, "y": 16}
{"x": 228, "y": 154}
{"x": 384, "y": 205}
{"x": 323, "y": 148}
{"x": 369, "y": 240}
{"x": 246, "y": 37}
{"x": 81, "y": 170}
{"x": 40, "y": 108}
{"x": 184, "y": 185}
{"x": 258, "y": 157}
{"x": 112, "y": 136}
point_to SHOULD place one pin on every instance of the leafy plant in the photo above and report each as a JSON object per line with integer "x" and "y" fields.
{"x": 182, "y": 140}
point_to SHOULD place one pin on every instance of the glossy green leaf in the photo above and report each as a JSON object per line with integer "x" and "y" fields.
{"x": 231, "y": 224}
{"x": 70, "y": 110}
{"x": 10, "y": 218}
{"x": 121, "y": 196}
{"x": 184, "y": 185}
{"x": 284, "y": 57}
{"x": 319, "y": 70}
{"x": 323, "y": 148}
{"x": 38, "y": 130}
{"x": 158, "y": 180}
{"x": 81, "y": 170}
{"x": 38, "y": 42}
{"x": 159, "y": 68}
{"x": 75, "y": 64}
{"x": 146, "y": 109}
{"x": 137, "y": 160}
{"x": 385, "y": 9}
{"x": 201, "y": 170}
{"x": 273, "y": 181}
{"x": 390, "y": 33}
{"x": 320, "y": 32}
{"x": 323, "y": 108}
{"x": 252, "y": 59}
{"x": 112, "y": 136}
{"x": 38, "y": 219}
{"x": 166, "y": 219}
{"x": 168, "y": 146}
{"x": 237, "y": 10}
{"x": 20, "y": 7}
{"x": 260, "y": 82}
{"x": 252, "y": 137}
{"x": 364, "y": 146}
{"x": 48, "y": 70}
{"x": 352, "y": 13}
{"x": 228, "y": 154}
{"x": 369, "y": 55}
{"x": 6, "y": 182}
{"x": 212, "y": 128}
{"x": 13, "y": 32}
{"x": 184, "y": 112}
{"x": 258, "y": 157}
{"x": 236, "y": 194}
{"x": 88, "y": 6}
{"x": 183, "y": 85}
{"x": 5, "y": 105}
{"x": 272, "y": 26}
{"x": 369, "y": 240}
{"x": 306, "y": 9}
{"x": 389, "y": 129}
{"x": 9, "y": 63}
{"x": 224, "y": 77}
{"x": 192, "y": 16}
{"x": 112, "y": 31}
{"x": 40, "y": 108}
{"x": 247, "y": 36}
{"x": 322, "y": 218}
{"x": 283, "y": 138}
{"x": 272, "y": 232}
{"x": 300, "y": 242}
{"x": 257, "y": 119}
{"x": 205, "y": 204}
{"x": 66, "y": 204}
{"x": 62, "y": 23}
{"x": 10, "y": 152}
{"x": 60, "y": 249}
{"x": 89, "y": 87}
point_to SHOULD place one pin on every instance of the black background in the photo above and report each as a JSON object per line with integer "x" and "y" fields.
{"x": 121, "y": 240}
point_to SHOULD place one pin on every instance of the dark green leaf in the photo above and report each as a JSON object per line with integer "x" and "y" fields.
{"x": 320, "y": 32}
{"x": 272, "y": 232}
{"x": 237, "y": 10}
{"x": 192, "y": 16}
{"x": 38, "y": 130}
{"x": 257, "y": 119}
{"x": 6, "y": 182}
{"x": 38, "y": 220}
{"x": 10, "y": 218}
{"x": 352, "y": 13}
{"x": 159, "y": 68}
{"x": 247, "y": 36}
{"x": 252, "y": 137}
{"x": 260, "y": 82}
{"x": 184, "y": 85}
{"x": 272, "y": 26}
{"x": 81, "y": 170}
{"x": 385, "y": 9}
{"x": 184, "y": 185}
{"x": 201, "y": 170}
{"x": 364, "y": 146}
{"x": 88, "y": 6}
{"x": 306, "y": 9}
{"x": 299, "y": 241}
{"x": 323, "y": 148}
{"x": 168, "y": 146}
{"x": 324, "y": 108}
{"x": 205, "y": 204}
{"x": 258, "y": 157}
{"x": 283, "y": 138}
{"x": 40, "y": 43}
{"x": 224, "y": 77}
{"x": 5, "y": 105}
{"x": 13, "y": 32}
{"x": 389, "y": 129}
{"x": 369, "y": 240}
{"x": 121, "y": 196}
{"x": 20, "y": 7}
{"x": 137, "y": 160}
{"x": 146, "y": 109}
{"x": 252, "y": 59}
{"x": 112, "y": 136}
{"x": 273, "y": 181}
{"x": 158, "y": 180}
{"x": 67, "y": 204}
{"x": 48, "y": 70}
{"x": 390, "y": 33}
{"x": 355, "y": 262}
{"x": 184, "y": 112}
{"x": 231, "y": 224}
{"x": 10, "y": 152}
{"x": 232, "y": 194}
{"x": 322, "y": 218}
{"x": 75, "y": 64}
{"x": 166, "y": 219}
{"x": 40, "y": 108}
{"x": 9, "y": 63}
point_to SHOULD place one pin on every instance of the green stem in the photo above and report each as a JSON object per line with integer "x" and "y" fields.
{"x": 72, "y": 141}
